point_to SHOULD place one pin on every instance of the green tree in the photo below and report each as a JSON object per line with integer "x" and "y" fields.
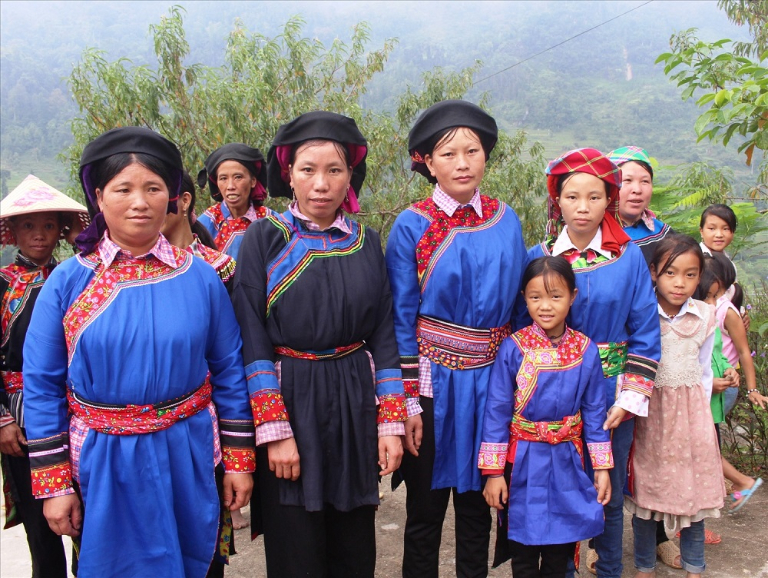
{"x": 266, "y": 82}
{"x": 734, "y": 80}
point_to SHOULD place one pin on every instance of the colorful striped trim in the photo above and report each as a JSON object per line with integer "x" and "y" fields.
{"x": 456, "y": 346}
{"x": 637, "y": 383}
{"x": 301, "y": 250}
{"x": 642, "y": 366}
{"x": 665, "y": 230}
{"x": 49, "y": 463}
{"x": 389, "y": 382}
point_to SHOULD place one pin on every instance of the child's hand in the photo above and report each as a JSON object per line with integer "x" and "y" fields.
{"x": 756, "y": 398}
{"x": 615, "y": 417}
{"x": 732, "y": 375}
{"x": 720, "y": 384}
{"x": 603, "y": 486}
{"x": 496, "y": 492}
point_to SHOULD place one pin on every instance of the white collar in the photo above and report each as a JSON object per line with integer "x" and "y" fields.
{"x": 688, "y": 307}
{"x": 564, "y": 243}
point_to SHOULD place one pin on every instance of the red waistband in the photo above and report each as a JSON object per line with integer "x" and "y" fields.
{"x": 139, "y": 419}
{"x": 318, "y": 355}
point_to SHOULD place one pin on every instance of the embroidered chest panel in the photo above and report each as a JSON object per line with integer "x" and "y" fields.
{"x": 107, "y": 283}
{"x": 442, "y": 229}
{"x": 21, "y": 283}
{"x": 302, "y": 249}
{"x": 228, "y": 229}
{"x": 539, "y": 355}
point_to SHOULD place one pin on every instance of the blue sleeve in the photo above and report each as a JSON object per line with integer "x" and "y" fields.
{"x": 206, "y": 221}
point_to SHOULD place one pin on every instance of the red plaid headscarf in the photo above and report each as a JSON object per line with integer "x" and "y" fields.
{"x": 593, "y": 162}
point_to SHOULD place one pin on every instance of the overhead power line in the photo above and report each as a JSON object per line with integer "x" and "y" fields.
{"x": 561, "y": 43}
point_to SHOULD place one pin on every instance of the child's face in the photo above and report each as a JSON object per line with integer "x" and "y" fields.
{"x": 37, "y": 235}
{"x": 714, "y": 293}
{"x": 716, "y": 233}
{"x": 677, "y": 282}
{"x": 549, "y": 308}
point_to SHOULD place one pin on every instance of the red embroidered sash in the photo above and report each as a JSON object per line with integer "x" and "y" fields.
{"x": 13, "y": 380}
{"x": 319, "y": 355}
{"x": 456, "y": 346}
{"x": 550, "y": 432}
{"x": 139, "y": 419}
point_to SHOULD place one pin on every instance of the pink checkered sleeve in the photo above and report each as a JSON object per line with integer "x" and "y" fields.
{"x": 272, "y": 431}
{"x": 425, "y": 378}
{"x": 393, "y": 428}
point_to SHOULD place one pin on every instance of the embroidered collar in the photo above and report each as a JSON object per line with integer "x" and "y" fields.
{"x": 563, "y": 244}
{"x": 162, "y": 250}
{"x": 688, "y": 307}
{"x": 23, "y": 261}
{"x": 449, "y": 205}
{"x": 536, "y": 328}
{"x": 250, "y": 214}
{"x": 339, "y": 223}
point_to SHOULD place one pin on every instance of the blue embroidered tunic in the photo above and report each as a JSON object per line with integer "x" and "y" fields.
{"x": 462, "y": 269}
{"x": 551, "y": 498}
{"x": 116, "y": 329}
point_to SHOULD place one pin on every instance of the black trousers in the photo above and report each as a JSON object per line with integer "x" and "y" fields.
{"x": 554, "y": 560}
{"x": 45, "y": 546}
{"x": 326, "y": 544}
{"x": 425, "y": 513}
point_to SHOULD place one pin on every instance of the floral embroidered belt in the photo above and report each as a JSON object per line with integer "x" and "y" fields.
{"x": 139, "y": 419}
{"x": 550, "y": 432}
{"x": 456, "y": 346}
{"x": 613, "y": 357}
{"x": 13, "y": 380}
{"x": 319, "y": 355}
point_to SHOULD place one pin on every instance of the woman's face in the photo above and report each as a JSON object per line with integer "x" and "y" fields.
{"x": 320, "y": 179}
{"x": 36, "y": 235}
{"x": 134, "y": 204}
{"x": 716, "y": 233}
{"x": 235, "y": 184}
{"x": 458, "y": 164}
{"x": 635, "y": 193}
{"x": 583, "y": 201}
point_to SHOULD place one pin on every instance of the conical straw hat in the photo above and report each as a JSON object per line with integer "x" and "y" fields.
{"x": 35, "y": 196}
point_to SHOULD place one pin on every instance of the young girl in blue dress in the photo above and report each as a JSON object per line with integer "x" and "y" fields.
{"x": 545, "y": 397}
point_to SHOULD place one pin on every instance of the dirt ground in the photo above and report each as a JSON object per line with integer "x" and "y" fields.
{"x": 742, "y": 554}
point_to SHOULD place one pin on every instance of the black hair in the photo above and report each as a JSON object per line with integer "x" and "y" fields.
{"x": 729, "y": 271}
{"x": 340, "y": 148}
{"x": 445, "y": 136}
{"x": 722, "y": 211}
{"x": 562, "y": 179}
{"x": 188, "y": 186}
{"x": 671, "y": 247}
{"x": 105, "y": 170}
{"x": 711, "y": 273}
{"x": 549, "y": 267}
{"x": 738, "y": 296}
{"x": 643, "y": 164}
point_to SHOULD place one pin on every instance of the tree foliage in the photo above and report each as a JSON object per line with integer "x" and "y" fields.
{"x": 733, "y": 77}
{"x": 266, "y": 82}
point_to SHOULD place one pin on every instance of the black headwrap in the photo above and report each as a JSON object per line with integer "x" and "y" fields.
{"x": 251, "y": 158}
{"x": 129, "y": 139}
{"x": 317, "y": 125}
{"x": 445, "y": 115}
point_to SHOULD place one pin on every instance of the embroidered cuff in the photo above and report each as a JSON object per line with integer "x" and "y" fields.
{"x": 51, "y": 470}
{"x": 409, "y": 365}
{"x": 412, "y": 406}
{"x": 268, "y": 406}
{"x": 492, "y": 457}
{"x": 634, "y": 402}
{"x": 238, "y": 446}
{"x": 273, "y": 431}
{"x": 391, "y": 409}
{"x": 638, "y": 383}
{"x": 601, "y": 455}
{"x": 394, "y": 428}
{"x": 642, "y": 366}
{"x": 238, "y": 460}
